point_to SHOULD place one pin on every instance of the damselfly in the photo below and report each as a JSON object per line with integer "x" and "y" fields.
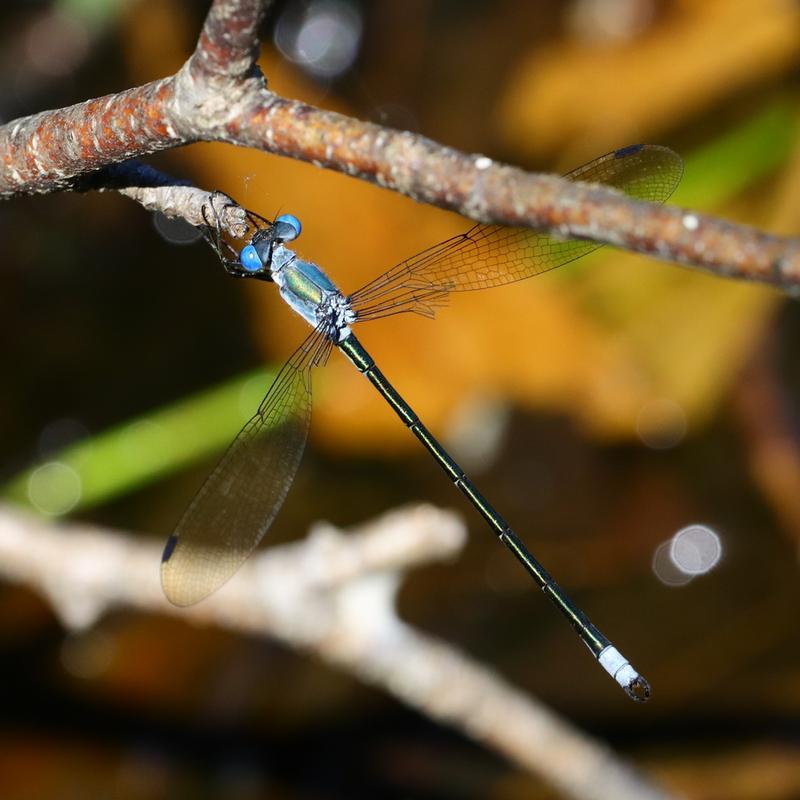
{"x": 239, "y": 500}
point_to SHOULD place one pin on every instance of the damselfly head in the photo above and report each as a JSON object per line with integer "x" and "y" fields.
{"x": 256, "y": 257}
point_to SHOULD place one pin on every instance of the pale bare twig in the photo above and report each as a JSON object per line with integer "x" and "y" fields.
{"x": 332, "y": 595}
{"x": 220, "y": 95}
{"x": 157, "y": 191}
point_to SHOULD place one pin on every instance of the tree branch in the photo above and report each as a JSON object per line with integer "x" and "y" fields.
{"x": 228, "y": 45}
{"x": 220, "y": 95}
{"x": 332, "y": 595}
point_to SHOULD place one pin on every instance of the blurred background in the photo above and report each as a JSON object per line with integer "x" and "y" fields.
{"x": 637, "y": 423}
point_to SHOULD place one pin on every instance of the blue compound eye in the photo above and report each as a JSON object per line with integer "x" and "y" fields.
{"x": 293, "y": 223}
{"x": 249, "y": 259}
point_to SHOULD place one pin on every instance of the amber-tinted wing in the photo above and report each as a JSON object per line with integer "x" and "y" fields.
{"x": 239, "y": 500}
{"x": 493, "y": 255}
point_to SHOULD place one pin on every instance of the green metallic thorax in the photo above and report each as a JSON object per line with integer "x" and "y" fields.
{"x": 302, "y": 286}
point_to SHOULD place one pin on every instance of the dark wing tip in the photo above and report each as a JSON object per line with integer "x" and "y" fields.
{"x": 169, "y": 548}
{"x": 623, "y": 152}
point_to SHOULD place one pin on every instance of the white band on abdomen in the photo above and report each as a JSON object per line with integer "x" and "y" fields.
{"x": 616, "y": 665}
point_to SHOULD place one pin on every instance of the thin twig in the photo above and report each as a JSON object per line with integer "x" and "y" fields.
{"x": 332, "y": 595}
{"x": 157, "y": 191}
{"x": 220, "y": 95}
